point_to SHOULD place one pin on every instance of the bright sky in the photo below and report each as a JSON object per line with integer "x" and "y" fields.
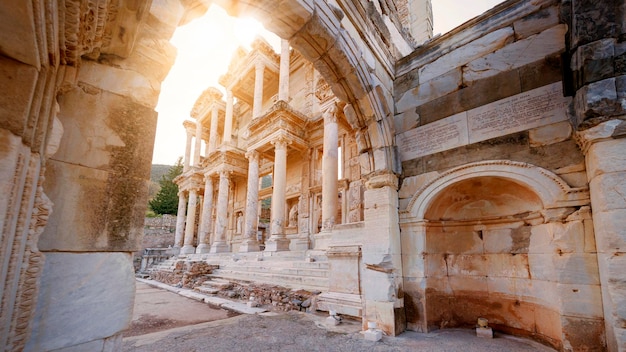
{"x": 205, "y": 47}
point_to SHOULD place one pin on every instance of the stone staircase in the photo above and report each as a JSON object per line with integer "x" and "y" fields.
{"x": 296, "y": 274}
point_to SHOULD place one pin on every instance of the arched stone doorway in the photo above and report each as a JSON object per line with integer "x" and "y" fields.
{"x": 503, "y": 241}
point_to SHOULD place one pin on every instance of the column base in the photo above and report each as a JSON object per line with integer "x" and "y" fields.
{"x": 277, "y": 244}
{"x": 188, "y": 249}
{"x": 219, "y": 247}
{"x": 322, "y": 240}
{"x": 203, "y": 248}
{"x": 249, "y": 246}
{"x": 299, "y": 243}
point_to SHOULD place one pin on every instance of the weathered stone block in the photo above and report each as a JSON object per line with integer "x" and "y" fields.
{"x": 467, "y": 265}
{"x": 429, "y": 90}
{"x": 536, "y": 22}
{"x": 610, "y": 230}
{"x": 91, "y": 294}
{"x": 540, "y": 73}
{"x": 507, "y": 265}
{"x": 518, "y": 54}
{"x": 583, "y": 333}
{"x": 497, "y": 240}
{"x": 605, "y": 157}
{"x": 410, "y": 185}
{"x": 576, "y": 268}
{"x": 550, "y": 134}
{"x": 597, "y": 99}
{"x": 471, "y": 51}
{"x": 580, "y": 300}
{"x": 435, "y": 265}
{"x": 611, "y": 191}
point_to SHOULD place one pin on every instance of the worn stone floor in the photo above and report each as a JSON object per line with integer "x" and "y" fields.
{"x": 198, "y": 327}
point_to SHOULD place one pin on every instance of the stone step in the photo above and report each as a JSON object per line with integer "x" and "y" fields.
{"x": 207, "y": 290}
{"x": 291, "y": 281}
{"x": 264, "y": 268}
{"x": 218, "y": 284}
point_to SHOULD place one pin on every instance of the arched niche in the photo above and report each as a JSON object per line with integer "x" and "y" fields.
{"x": 476, "y": 243}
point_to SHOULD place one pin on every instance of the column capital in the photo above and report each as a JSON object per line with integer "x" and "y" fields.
{"x": 252, "y": 155}
{"x": 225, "y": 173}
{"x": 281, "y": 142}
{"x": 606, "y": 130}
{"x": 330, "y": 114}
{"x": 259, "y": 65}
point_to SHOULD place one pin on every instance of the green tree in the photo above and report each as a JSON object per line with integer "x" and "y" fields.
{"x": 166, "y": 201}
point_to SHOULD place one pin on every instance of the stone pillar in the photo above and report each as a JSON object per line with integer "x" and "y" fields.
{"x": 278, "y": 240}
{"x": 180, "y": 219}
{"x": 329, "y": 169}
{"x": 206, "y": 219}
{"x": 228, "y": 121}
{"x": 283, "y": 82}
{"x": 221, "y": 220}
{"x": 213, "y": 130}
{"x": 198, "y": 145}
{"x": 257, "y": 104}
{"x": 250, "y": 243}
{"x": 605, "y": 157}
{"x": 187, "y": 160}
{"x": 190, "y": 226}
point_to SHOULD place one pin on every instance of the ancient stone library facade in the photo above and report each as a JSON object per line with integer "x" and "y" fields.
{"x": 480, "y": 173}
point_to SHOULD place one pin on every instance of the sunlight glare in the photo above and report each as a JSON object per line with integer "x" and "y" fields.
{"x": 246, "y": 29}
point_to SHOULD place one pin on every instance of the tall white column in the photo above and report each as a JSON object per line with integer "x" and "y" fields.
{"x": 283, "y": 82}
{"x": 187, "y": 151}
{"x": 180, "y": 219}
{"x": 221, "y": 220}
{"x": 190, "y": 226}
{"x": 213, "y": 130}
{"x": 250, "y": 243}
{"x": 257, "y": 103}
{"x": 228, "y": 120}
{"x": 206, "y": 219}
{"x": 329, "y": 169}
{"x": 278, "y": 240}
{"x": 198, "y": 145}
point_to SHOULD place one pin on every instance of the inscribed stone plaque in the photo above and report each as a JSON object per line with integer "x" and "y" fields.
{"x": 435, "y": 137}
{"x": 534, "y": 108}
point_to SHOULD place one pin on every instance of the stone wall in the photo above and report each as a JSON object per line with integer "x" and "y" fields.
{"x": 479, "y": 239}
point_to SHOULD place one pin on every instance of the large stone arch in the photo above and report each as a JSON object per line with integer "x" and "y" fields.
{"x": 314, "y": 28}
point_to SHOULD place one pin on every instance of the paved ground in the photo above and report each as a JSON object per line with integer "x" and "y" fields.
{"x": 196, "y": 329}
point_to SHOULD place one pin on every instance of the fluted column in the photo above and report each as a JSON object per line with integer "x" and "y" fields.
{"x": 278, "y": 240}
{"x": 257, "y": 103}
{"x": 206, "y": 219}
{"x": 221, "y": 220}
{"x": 187, "y": 160}
{"x": 190, "y": 226}
{"x": 329, "y": 169}
{"x": 180, "y": 219}
{"x": 250, "y": 243}
{"x": 228, "y": 120}
{"x": 213, "y": 130}
{"x": 198, "y": 145}
{"x": 283, "y": 85}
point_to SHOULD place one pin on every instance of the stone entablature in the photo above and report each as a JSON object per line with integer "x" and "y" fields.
{"x": 229, "y": 159}
{"x": 280, "y": 121}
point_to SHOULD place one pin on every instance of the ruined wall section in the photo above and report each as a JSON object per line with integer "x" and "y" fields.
{"x": 511, "y": 53}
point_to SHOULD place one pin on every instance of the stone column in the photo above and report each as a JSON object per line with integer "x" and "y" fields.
{"x": 605, "y": 157}
{"x": 221, "y": 220}
{"x": 250, "y": 243}
{"x": 205, "y": 222}
{"x": 190, "y": 225}
{"x": 187, "y": 160}
{"x": 198, "y": 145}
{"x": 228, "y": 121}
{"x": 257, "y": 104}
{"x": 329, "y": 169}
{"x": 278, "y": 240}
{"x": 180, "y": 219}
{"x": 213, "y": 130}
{"x": 283, "y": 85}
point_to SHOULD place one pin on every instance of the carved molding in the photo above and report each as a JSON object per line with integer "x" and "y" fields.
{"x": 550, "y": 188}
